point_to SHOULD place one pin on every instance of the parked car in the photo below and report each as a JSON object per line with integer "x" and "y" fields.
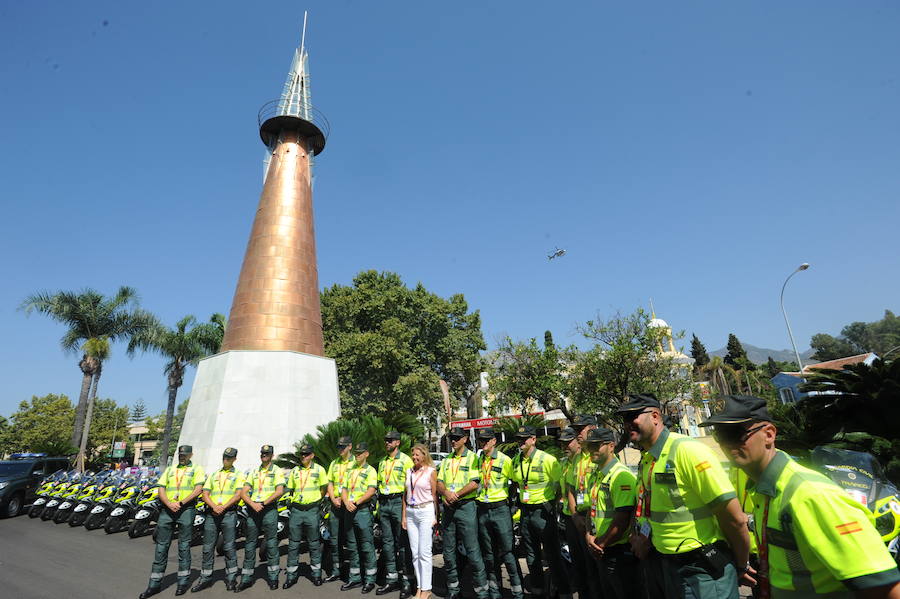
{"x": 21, "y": 476}
{"x": 437, "y": 457}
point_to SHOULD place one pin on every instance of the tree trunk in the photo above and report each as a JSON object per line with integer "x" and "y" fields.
{"x": 86, "y": 431}
{"x": 86, "y": 381}
{"x": 167, "y": 432}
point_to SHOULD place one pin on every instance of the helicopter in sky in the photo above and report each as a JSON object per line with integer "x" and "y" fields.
{"x": 556, "y": 253}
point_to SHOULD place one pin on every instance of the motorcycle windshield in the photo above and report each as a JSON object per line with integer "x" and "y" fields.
{"x": 856, "y": 472}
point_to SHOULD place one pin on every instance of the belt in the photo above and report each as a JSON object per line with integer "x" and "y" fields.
{"x": 460, "y": 503}
{"x": 689, "y": 557}
{"x": 390, "y": 496}
{"x": 491, "y": 504}
{"x": 418, "y": 505}
{"x": 305, "y": 506}
{"x": 530, "y": 507}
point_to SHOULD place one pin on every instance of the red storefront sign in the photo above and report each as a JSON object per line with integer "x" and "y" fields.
{"x": 484, "y": 422}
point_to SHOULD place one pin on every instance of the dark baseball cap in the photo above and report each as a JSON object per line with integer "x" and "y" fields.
{"x": 392, "y": 436}
{"x": 485, "y": 434}
{"x": 305, "y": 449}
{"x": 566, "y": 434}
{"x": 185, "y": 450}
{"x": 525, "y": 431}
{"x": 230, "y": 452}
{"x": 639, "y": 402}
{"x": 458, "y": 433}
{"x": 344, "y": 441}
{"x": 361, "y": 447}
{"x": 740, "y": 409}
{"x": 266, "y": 449}
{"x": 601, "y": 435}
{"x": 583, "y": 420}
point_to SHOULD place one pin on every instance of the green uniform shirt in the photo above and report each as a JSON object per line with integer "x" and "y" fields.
{"x": 180, "y": 481}
{"x": 611, "y": 489}
{"x": 578, "y": 478}
{"x": 306, "y": 483}
{"x": 359, "y": 479}
{"x": 337, "y": 471}
{"x": 538, "y": 476}
{"x": 392, "y": 473}
{"x": 459, "y": 470}
{"x": 264, "y": 481}
{"x": 496, "y": 470}
{"x": 739, "y": 481}
{"x": 681, "y": 480}
{"x": 819, "y": 539}
{"x": 223, "y": 484}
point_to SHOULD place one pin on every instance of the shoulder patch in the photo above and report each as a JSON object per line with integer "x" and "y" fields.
{"x": 848, "y": 528}
{"x": 704, "y": 465}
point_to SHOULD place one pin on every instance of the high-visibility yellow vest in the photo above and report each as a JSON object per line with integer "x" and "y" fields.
{"x": 683, "y": 481}
{"x": 358, "y": 481}
{"x": 180, "y": 481}
{"x": 538, "y": 476}
{"x": 496, "y": 470}
{"x": 457, "y": 471}
{"x": 739, "y": 480}
{"x": 392, "y": 473}
{"x": 337, "y": 471}
{"x": 611, "y": 489}
{"x": 264, "y": 481}
{"x": 223, "y": 484}
{"x": 819, "y": 540}
{"x": 578, "y": 479}
{"x": 306, "y": 483}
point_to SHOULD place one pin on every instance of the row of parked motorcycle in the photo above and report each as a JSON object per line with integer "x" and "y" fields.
{"x": 116, "y": 501}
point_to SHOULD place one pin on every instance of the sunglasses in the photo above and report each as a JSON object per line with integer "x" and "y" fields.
{"x": 733, "y": 435}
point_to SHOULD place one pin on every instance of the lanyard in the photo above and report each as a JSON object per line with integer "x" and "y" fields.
{"x": 645, "y": 494}
{"x": 388, "y": 471}
{"x": 765, "y": 587}
{"x": 454, "y": 471}
{"x": 260, "y": 479}
{"x": 306, "y": 478}
{"x": 522, "y": 470}
{"x": 342, "y": 472}
{"x": 220, "y": 480}
{"x": 414, "y": 480}
{"x": 486, "y": 472}
{"x": 179, "y": 479}
{"x": 353, "y": 478}
{"x": 581, "y": 473}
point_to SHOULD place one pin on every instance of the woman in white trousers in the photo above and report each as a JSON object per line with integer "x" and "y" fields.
{"x": 420, "y": 515}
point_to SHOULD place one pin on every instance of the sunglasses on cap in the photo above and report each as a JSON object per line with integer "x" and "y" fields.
{"x": 734, "y": 435}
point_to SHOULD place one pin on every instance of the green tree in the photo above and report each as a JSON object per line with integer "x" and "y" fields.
{"x": 138, "y": 411}
{"x": 831, "y": 348}
{"x": 368, "y": 428}
{"x": 508, "y": 426}
{"x": 157, "y": 425}
{"x": 736, "y": 356}
{"x": 625, "y": 359}
{"x": 181, "y": 347}
{"x": 698, "y": 352}
{"x": 880, "y": 337}
{"x": 524, "y": 376}
{"x": 40, "y": 424}
{"x": 393, "y": 344}
{"x": 110, "y": 424}
{"x": 93, "y": 322}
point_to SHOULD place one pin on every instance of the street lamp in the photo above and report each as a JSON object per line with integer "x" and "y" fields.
{"x": 803, "y": 266}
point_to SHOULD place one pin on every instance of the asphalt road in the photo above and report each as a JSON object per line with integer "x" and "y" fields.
{"x": 41, "y": 559}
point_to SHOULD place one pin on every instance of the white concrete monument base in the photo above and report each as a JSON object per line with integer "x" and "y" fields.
{"x": 245, "y": 399}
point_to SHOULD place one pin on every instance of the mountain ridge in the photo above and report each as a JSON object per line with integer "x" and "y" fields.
{"x": 760, "y": 355}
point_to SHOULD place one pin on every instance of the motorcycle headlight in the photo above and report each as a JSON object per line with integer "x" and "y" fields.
{"x": 4, "y": 484}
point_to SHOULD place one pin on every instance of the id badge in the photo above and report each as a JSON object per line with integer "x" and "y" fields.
{"x": 526, "y": 496}
{"x": 579, "y": 497}
{"x": 645, "y": 529}
{"x": 453, "y": 487}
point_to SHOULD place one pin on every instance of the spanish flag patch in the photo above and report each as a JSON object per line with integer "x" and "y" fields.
{"x": 848, "y": 528}
{"x": 705, "y": 465}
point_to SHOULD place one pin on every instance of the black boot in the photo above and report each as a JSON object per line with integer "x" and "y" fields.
{"x": 388, "y": 588}
{"x": 182, "y": 588}
{"x": 368, "y": 587}
{"x": 149, "y": 592}
{"x": 243, "y": 584}
{"x": 351, "y": 585}
{"x": 203, "y": 583}
{"x": 290, "y": 581}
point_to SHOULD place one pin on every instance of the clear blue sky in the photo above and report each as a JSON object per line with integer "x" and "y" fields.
{"x": 694, "y": 153}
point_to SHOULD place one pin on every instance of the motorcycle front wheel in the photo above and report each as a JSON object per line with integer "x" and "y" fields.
{"x": 48, "y": 513}
{"x": 114, "y": 524}
{"x": 77, "y": 519}
{"x": 35, "y": 511}
{"x": 94, "y": 521}
{"x": 139, "y": 528}
{"x": 62, "y": 516}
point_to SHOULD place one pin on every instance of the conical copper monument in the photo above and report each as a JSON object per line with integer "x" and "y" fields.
{"x": 276, "y": 303}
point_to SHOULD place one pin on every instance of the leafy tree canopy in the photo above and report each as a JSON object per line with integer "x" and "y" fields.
{"x": 393, "y": 344}
{"x": 880, "y": 337}
{"x": 138, "y": 411}
{"x": 526, "y": 377}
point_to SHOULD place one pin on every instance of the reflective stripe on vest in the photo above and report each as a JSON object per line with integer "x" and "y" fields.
{"x": 784, "y": 540}
{"x": 496, "y": 486}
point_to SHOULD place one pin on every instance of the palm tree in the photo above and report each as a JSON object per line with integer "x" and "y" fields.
{"x": 94, "y": 322}
{"x": 182, "y": 346}
{"x": 719, "y": 372}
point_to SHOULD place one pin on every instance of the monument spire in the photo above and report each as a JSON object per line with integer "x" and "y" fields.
{"x": 276, "y": 303}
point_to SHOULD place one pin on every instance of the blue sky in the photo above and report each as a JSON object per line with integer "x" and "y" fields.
{"x": 694, "y": 153}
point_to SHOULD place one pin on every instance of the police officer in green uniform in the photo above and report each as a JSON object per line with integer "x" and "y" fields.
{"x": 495, "y": 530}
{"x": 538, "y": 475}
{"x": 337, "y": 472}
{"x": 307, "y": 484}
{"x": 395, "y": 543}
{"x": 262, "y": 489}
{"x": 457, "y": 483}
{"x": 687, "y": 509}
{"x": 576, "y": 503}
{"x": 221, "y": 494}
{"x": 179, "y": 486}
{"x": 357, "y": 496}
{"x": 573, "y": 534}
{"x": 814, "y": 540}
{"x": 611, "y": 495}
